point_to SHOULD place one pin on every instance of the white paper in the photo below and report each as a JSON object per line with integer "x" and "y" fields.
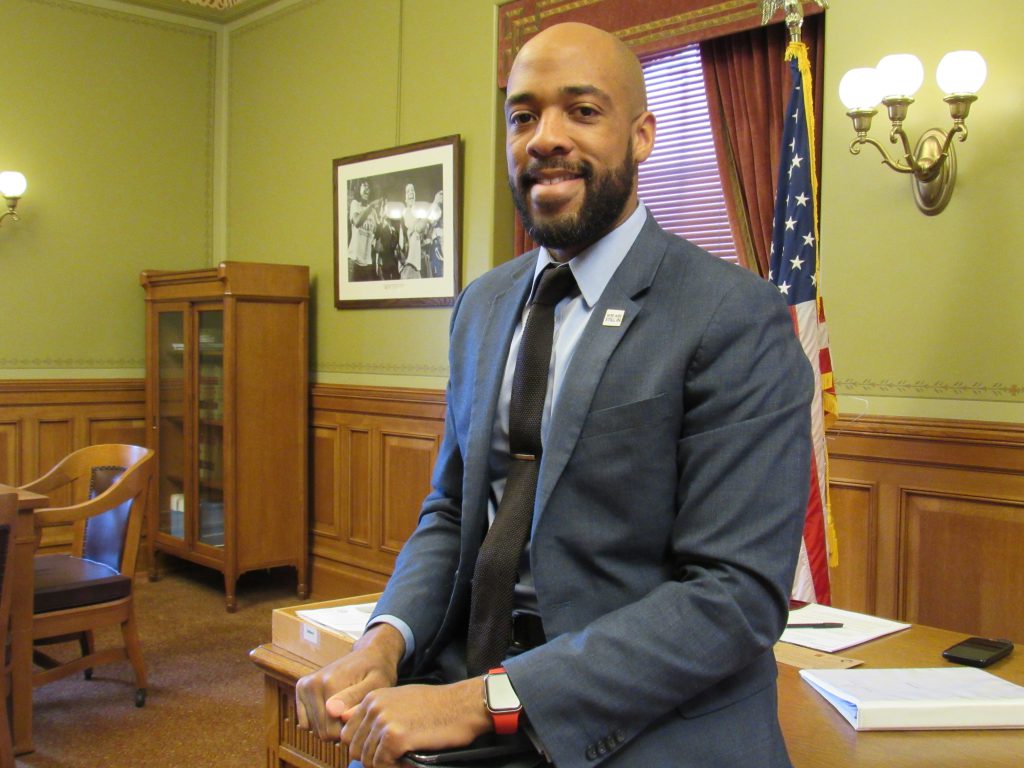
{"x": 857, "y": 628}
{"x": 347, "y": 619}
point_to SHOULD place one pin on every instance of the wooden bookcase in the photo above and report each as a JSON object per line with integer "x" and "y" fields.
{"x": 227, "y": 388}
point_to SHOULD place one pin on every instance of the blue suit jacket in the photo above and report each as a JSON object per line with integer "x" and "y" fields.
{"x": 668, "y": 517}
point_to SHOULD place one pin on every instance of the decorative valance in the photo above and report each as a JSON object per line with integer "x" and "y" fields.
{"x": 646, "y": 26}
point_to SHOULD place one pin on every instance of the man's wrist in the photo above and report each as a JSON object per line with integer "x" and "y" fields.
{"x": 384, "y": 640}
{"x": 478, "y": 717}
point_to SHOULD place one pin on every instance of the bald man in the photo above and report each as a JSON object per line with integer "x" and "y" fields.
{"x": 672, "y": 478}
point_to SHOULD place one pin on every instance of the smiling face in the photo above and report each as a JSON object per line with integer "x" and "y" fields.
{"x": 577, "y": 127}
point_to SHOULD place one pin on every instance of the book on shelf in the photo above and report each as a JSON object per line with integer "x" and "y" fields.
{"x": 920, "y": 699}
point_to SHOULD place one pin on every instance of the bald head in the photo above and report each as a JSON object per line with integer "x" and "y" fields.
{"x": 596, "y": 54}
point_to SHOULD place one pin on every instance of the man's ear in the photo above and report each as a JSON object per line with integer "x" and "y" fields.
{"x": 643, "y": 136}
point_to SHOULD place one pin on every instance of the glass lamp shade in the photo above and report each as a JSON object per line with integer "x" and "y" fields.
{"x": 12, "y": 184}
{"x": 860, "y": 88}
{"x": 961, "y": 72}
{"x": 901, "y": 74}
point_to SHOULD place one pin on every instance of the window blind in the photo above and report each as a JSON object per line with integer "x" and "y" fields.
{"x": 680, "y": 182}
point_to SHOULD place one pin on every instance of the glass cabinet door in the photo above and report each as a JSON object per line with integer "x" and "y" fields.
{"x": 210, "y": 431}
{"x": 171, "y": 421}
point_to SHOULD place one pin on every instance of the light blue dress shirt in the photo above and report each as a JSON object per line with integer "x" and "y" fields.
{"x": 593, "y": 269}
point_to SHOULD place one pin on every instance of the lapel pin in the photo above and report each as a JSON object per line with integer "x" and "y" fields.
{"x": 613, "y": 318}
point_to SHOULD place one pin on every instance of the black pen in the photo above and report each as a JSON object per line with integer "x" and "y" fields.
{"x": 818, "y": 625}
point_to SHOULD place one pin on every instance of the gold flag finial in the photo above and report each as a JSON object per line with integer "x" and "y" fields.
{"x": 794, "y": 14}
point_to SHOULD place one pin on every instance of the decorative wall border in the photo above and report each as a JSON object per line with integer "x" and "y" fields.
{"x": 69, "y": 363}
{"x": 384, "y": 369}
{"x": 955, "y": 390}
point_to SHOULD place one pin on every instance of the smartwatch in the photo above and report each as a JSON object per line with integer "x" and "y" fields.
{"x": 502, "y": 702}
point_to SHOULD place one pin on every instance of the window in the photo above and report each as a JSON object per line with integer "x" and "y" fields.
{"x": 679, "y": 182}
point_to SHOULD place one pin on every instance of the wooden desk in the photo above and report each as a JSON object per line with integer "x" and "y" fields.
{"x": 816, "y": 735}
{"x": 21, "y": 617}
{"x": 287, "y": 745}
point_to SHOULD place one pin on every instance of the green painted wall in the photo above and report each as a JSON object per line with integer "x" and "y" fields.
{"x": 924, "y": 312}
{"x": 110, "y": 118}
{"x": 328, "y": 79}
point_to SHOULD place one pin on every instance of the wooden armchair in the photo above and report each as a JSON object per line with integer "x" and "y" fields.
{"x": 8, "y": 513}
{"x": 91, "y": 587}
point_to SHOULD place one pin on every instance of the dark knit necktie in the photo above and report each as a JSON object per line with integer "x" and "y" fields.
{"x": 494, "y": 578}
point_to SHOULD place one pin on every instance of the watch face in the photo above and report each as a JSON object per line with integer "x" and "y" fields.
{"x": 501, "y": 697}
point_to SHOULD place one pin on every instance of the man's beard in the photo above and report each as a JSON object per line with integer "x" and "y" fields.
{"x": 604, "y": 198}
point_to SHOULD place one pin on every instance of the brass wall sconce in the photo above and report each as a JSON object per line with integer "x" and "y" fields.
{"x": 12, "y": 187}
{"x": 893, "y": 82}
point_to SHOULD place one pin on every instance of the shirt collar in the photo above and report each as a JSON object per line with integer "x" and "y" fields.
{"x": 594, "y": 266}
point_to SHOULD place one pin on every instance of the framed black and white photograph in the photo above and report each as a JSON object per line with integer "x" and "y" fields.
{"x": 396, "y": 226}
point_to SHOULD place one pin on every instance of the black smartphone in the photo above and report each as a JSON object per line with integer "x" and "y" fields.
{"x": 502, "y": 750}
{"x": 978, "y": 651}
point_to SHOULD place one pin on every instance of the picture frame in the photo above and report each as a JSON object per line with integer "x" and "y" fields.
{"x": 397, "y": 219}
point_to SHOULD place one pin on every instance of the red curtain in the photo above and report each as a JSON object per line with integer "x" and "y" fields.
{"x": 747, "y": 85}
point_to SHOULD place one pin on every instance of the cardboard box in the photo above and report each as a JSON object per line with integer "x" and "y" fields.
{"x": 314, "y": 643}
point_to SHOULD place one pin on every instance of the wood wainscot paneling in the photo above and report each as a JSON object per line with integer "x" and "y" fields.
{"x": 929, "y": 513}
{"x": 373, "y": 451}
{"x": 930, "y": 520}
{"x": 43, "y": 421}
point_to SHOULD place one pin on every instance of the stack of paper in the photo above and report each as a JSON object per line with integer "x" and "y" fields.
{"x": 901, "y": 699}
{"x": 349, "y": 619}
{"x": 854, "y": 629}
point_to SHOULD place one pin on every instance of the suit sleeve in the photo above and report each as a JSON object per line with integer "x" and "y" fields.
{"x": 425, "y": 571}
{"x": 700, "y": 638}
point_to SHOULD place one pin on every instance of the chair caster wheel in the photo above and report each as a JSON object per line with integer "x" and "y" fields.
{"x": 140, "y": 697}
{"x": 88, "y": 674}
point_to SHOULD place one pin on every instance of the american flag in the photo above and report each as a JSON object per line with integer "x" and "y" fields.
{"x": 795, "y": 270}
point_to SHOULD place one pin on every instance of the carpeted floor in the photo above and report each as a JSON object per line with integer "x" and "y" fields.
{"x": 205, "y": 699}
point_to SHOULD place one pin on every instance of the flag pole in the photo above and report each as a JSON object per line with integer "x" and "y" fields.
{"x": 795, "y": 270}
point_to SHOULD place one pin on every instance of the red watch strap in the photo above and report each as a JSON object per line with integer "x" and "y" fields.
{"x": 505, "y": 723}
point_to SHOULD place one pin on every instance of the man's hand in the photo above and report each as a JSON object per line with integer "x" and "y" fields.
{"x": 372, "y": 664}
{"x": 392, "y": 721}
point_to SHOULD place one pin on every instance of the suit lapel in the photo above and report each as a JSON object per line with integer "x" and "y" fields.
{"x": 594, "y": 349}
{"x": 503, "y": 315}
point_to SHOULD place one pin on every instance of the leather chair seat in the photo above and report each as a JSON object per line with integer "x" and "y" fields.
{"x": 63, "y": 581}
